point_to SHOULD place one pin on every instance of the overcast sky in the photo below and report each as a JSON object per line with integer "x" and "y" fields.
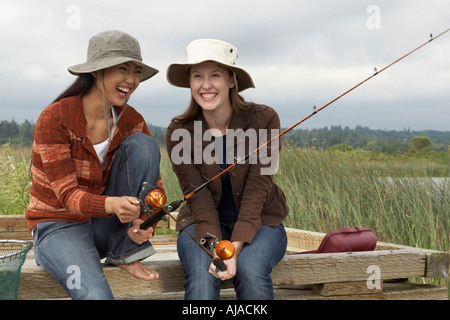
{"x": 300, "y": 54}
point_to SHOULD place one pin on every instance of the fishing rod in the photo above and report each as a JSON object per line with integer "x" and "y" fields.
{"x": 160, "y": 215}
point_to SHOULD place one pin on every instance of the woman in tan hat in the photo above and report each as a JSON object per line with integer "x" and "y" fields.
{"x": 245, "y": 206}
{"x": 92, "y": 151}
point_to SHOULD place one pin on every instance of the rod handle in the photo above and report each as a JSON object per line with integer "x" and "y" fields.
{"x": 159, "y": 215}
{"x": 152, "y": 220}
{"x": 220, "y": 266}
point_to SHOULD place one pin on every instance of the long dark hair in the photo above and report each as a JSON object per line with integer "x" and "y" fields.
{"x": 81, "y": 86}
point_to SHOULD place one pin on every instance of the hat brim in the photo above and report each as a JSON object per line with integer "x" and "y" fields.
{"x": 177, "y": 75}
{"x": 92, "y": 66}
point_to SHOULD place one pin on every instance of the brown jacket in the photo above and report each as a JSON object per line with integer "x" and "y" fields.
{"x": 258, "y": 199}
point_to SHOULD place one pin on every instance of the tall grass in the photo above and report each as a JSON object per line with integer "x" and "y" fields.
{"x": 328, "y": 190}
{"x": 15, "y": 179}
{"x": 325, "y": 190}
{"x": 170, "y": 180}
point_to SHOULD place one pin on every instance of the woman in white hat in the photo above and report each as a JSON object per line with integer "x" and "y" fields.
{"x": 245, "y": 206}
{"x": 91, "y": 154}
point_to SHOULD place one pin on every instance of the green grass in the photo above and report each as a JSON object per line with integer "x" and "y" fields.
{"x": 394, "y": 197}
{"x": 15, "y": 180}
{"x": 328, "y": 190}
{"x": 325, "y": 190}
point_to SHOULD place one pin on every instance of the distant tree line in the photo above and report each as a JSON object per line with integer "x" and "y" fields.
{"x": 385, "y": 141}
{"x": 16, "y": 134}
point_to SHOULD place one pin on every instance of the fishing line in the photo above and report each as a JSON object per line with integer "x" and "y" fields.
{"x": 176, "y": 204}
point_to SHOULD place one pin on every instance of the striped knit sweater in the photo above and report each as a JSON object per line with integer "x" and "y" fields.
{"x": 68, "y": 179}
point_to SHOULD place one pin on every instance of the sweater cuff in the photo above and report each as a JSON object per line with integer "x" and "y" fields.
{"x": 94, "y": 207}
{"x": 244, "y": 231}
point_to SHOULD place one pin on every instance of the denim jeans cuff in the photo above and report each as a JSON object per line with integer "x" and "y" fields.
{"x": 137, "y": 254}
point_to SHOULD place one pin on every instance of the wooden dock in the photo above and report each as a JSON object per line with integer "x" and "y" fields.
{"x": 369, "y": 275}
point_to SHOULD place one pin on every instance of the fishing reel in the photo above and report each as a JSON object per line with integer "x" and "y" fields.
{"x": 153, "y": 206}
{"x": 155, "y": 200}
{"x": 224, "y": 250}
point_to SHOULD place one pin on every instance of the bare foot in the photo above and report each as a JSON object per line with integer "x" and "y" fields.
{"x": 137, "y": 270}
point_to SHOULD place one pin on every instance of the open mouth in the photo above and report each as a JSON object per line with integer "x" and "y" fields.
{"x": 123, "y": 91}
{"x": 208, "y": 96}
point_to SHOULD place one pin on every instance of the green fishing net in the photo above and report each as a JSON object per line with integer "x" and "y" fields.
{"x": 12, "y": 257}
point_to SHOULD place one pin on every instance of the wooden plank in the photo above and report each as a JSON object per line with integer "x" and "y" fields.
{"x": 437, "y": 264}
{"x": 36, "y": 283}
{"x": 302, "y": 240}
{"x": 346, "y": 288}
{"x": 395, "y": 291}
{"x": 164, "y": 239}
{"x": 292, "y": 270}
{"x": 398, "y": 262}
{"x": 343, "y": 267}
{"x": 14, "y": 227}
{"x": 391, "y": 291}
{"x": 13, "y": 223}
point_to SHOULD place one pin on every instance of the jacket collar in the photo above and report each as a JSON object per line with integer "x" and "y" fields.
{"x": 72, "y": 117}
{"x": 200, "y": 140}
{"x": 238, "y": 121}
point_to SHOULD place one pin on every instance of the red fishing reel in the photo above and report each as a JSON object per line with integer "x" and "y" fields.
{"x": 156, "y": 200}
{"x": 154, "y": 207}
{"x": 224, "y": 249}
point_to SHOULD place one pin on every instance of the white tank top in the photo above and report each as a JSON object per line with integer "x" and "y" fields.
{"x": 102, "y": 148}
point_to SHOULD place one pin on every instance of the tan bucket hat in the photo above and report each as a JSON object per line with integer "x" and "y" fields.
{"x": 203, "y": 50}
{"x": 111, "y": 48}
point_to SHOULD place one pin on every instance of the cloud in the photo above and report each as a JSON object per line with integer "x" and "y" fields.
{"x": 34, "y": 73}
{"x": 300, "y": 53}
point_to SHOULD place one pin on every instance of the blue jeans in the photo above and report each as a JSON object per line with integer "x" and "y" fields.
{"x": 71, "y": 252}
{"x": 254, "y": 265}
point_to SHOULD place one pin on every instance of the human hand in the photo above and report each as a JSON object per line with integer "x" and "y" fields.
{"x": 231, "y": 263}
{"x": 229, "y": 273}
{"x": 136, "y": 234}
{"x": 126, "y": 208}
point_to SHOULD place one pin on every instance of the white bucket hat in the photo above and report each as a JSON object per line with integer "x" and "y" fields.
{"x": 203, "y": 50}
{"x": 111, "y": 48}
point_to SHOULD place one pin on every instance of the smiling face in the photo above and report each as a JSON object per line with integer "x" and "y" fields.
{"x": 120, "y": 82}
{"x": 210, "y": 85}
